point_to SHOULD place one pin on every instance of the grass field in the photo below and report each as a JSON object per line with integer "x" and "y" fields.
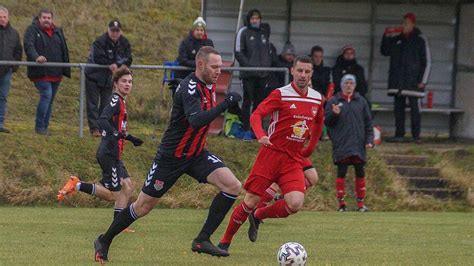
{"x": 64, "y": 236}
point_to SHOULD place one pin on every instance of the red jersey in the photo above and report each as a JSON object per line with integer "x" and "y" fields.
{"x": 294, "y": 117}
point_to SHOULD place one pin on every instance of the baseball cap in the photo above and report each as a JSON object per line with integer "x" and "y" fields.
{"x": 115, "y": 24}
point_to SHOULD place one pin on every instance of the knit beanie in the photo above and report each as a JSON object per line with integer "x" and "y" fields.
{"x": 347, "y": 77}
{"x": 199, "y": 22}
{"x": 288, "y": 48}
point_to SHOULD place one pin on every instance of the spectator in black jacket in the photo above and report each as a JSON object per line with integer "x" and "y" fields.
{"x": 410, "y": 64}
{"x": 285, "y": 59}
{"x": 321, "y": 74}
{"x": 252, "y": 49}
{"x": 347, "y": 64}
{"x": 44, "y": 42}
{"x": 111, "y": 49}
{"x": 188, "y": 48}
{"x": 349, "y": 123}
{"x": 10, "y": 50}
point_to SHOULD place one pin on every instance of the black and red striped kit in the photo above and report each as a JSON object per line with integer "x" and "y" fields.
{"x": 182, "y": 149}
{"x": 113, "y": 124}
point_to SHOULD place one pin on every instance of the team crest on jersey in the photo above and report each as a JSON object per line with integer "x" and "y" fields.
{"x": 314, "y": 110}
{"x": 299, "y": 128}
{"x": 158, "y": 185}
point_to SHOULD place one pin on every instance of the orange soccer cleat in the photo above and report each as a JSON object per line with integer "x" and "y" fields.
{"x": 69, "y": 187}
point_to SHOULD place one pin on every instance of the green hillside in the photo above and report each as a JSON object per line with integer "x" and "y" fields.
{"x": 33, "y": 167}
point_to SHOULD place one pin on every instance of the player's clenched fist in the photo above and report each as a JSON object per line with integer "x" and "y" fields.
{"x": 233, "y": 98}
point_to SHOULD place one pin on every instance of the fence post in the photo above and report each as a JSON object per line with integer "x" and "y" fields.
{"x": 81, "y": 100}
{"x": 287, "y": 76}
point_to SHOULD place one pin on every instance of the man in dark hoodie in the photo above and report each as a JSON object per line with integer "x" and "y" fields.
{"x": 188, "y": 48}
{"x": 10, "y": 49}
{"x": 410, "y": 64}
{"x": 347, "y": 64}
{"x": 252, "y": 49}
{"x": 44, "y": 42}
{"x": 111, "y": 49}
{"x": 321, "y": 74}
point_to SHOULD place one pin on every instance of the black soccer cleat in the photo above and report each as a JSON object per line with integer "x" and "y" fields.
{"x": 224, "y": 246}
{"x": 253, "y": 228}
{"x": 101, "y": 251}
{"x": 208, "y": 248}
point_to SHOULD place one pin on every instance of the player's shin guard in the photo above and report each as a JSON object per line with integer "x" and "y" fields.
{"x": 117, "y": 211}
{"x": 122, "y": 221}
{"x": 360, "y": 191}
{"x": 238, "y": 217}
{"x": 219, "y": 207}
{"x": 266, "y": 198}
{"x": 279, "y": 209}
{"x": 340, "y": 190}
{"x": 86, "y": 188}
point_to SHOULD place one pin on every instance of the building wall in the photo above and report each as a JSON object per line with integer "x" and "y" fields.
{"x": 465, "y": 79}
{"x": 334, "y": 24}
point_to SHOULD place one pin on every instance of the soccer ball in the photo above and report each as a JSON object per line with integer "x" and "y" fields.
{"x": 292, "y": 253}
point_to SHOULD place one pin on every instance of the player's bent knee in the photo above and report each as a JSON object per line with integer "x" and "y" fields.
{"x": 235, "y": 187}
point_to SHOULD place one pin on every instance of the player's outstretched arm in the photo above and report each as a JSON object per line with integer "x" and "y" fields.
{"x": 197, "y": 117}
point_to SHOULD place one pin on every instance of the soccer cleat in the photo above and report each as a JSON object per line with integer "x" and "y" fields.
{"x": 363, "y": 209}
{"x": 342, "y": 208}
{"x": 69, "y": 187}
{"x": 101, "y": 251}
{"x": 224, "y": 246}
{"x": 208, "y": 248}
{"x": 253, "y": 228}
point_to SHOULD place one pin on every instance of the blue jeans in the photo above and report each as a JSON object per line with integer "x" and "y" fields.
{"x": 47, "y": 91}
{"x": 4, "y": 89}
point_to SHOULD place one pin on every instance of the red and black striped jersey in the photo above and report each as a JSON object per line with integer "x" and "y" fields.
{"x": 181, "y": 139}
{"x": 113, "y": 120}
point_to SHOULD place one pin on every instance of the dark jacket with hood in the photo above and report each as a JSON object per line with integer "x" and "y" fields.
{"x": 252, "y": 48}
{"x": 410, "y": 63}
{"x": 188, "y": 50}
{"x": 321, "y": 78}
{"x": 10, "y": 48}
{"x": 352, "y": 129}
{"x": 343, "y": 67}
{"x": 105, "y": 52}
{"x": 37, "y": 43}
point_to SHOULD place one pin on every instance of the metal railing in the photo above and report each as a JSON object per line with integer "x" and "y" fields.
{"x": 83, "y": 66}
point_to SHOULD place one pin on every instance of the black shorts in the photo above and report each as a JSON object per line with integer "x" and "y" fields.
{"x": 166, "y": 170}
{"x": 112, "y": 171}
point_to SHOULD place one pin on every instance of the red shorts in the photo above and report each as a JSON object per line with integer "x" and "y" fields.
{"x": 307, "y": 164}
{"x": 275, "y": 167}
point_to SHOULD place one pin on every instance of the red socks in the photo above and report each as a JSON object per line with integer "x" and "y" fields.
{"x": 238, "y": 217}
{"x": 340, "y": 190}
{"x": 266, "y": 198}
{"x": 360, "y": 191}
{"x": 279, "y": 209}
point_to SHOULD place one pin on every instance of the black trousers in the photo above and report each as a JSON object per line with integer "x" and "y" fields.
{"x": 254, "y": 94}
{"x": 97, "y": 98}
{"x": 399, "y": 111}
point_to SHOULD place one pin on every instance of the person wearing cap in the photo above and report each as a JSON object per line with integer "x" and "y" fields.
{"x": 285, "y": 59}
{"x": 45, "y": 42}
{"x": 347, "y": 117}
{"x": 111, "y": 49}
{"x": 188, "y": 48}
{"x": 346, "y": 63}
{"x": 252, "y": 49}
{"x": 410, "y": 64}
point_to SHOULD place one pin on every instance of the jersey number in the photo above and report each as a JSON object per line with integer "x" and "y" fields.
{"x": 214, "y": 159}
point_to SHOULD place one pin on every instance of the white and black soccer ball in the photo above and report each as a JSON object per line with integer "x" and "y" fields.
{"x": 292, "y": 253}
